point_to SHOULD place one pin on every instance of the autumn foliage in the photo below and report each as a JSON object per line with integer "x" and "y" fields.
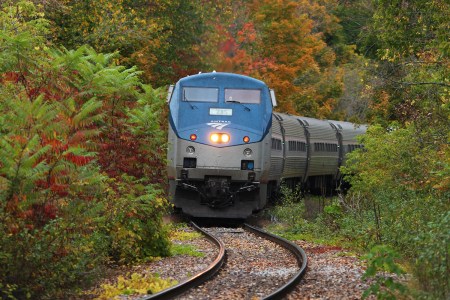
{"x": 284, "y": 44}
{"x": 83, "y": 121}
{"x": 72, "y": 194}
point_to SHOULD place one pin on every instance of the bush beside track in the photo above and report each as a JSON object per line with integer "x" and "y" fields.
{"x": 348, "y": 222}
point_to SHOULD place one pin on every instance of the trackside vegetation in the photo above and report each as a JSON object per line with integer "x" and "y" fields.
{"x": 67, "y": 121}
{"x": 397, "y": 211}
{"x": 135, "y": 284}
{"x": 398, "y": 207}
{"x": 395, "y": 235}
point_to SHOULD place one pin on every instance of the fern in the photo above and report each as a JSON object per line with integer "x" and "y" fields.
{"x": 87, "y": 114}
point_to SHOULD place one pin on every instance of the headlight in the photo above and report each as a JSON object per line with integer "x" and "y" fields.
{"x": 248, "y": 152}
{"x": 219, "y": 138}
{"x": 215, "y": 137}
{"x": 225, "y": 138}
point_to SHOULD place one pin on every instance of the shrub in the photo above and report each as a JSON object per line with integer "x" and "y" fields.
{"x": 381, "y": 267}
{"x": 61, "y": 217}
{"x": 359, "y": 229}
{"x": 136, "y": 284}
{"x": 332, "y": 215}
{"x": 400, "y": 175}
{"x": 432, "y": 267}
{"x": 133, "y": 220}
{"x": 291, "y": 210}
{"x": 64, "y": 254}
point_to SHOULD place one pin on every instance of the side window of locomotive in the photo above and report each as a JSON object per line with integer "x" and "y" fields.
{"x": 197, "y": 94}
{"x": 243, "y": 96}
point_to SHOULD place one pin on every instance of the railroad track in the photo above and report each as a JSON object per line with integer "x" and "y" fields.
{"x": 258, "y": 265}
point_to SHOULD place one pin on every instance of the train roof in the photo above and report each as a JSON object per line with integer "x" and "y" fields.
{"x": 222, "y": 78}
{"x": 349, "y": 130}
{"x": 326, "y": 128}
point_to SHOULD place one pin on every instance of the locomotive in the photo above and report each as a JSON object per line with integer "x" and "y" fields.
{"x": 229, "y": 151}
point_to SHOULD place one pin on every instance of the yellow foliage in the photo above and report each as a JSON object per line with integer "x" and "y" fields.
{"x": 184, "y": 235}
{"x": 135, "y": 284}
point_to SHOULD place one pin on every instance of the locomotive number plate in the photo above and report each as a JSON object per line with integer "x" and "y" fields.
{"x": 220, "y": 112}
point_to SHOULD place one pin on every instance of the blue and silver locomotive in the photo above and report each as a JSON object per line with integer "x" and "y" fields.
{"x": 228, "y": 151}
{"x": 219, "y": 144}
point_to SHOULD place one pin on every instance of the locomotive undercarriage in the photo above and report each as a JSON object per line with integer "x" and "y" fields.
{"x": 218, "y": 192}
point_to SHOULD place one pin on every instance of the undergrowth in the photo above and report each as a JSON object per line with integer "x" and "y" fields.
{"x": 180, "y": 249}
{"x": 333, "y": 226}
{"x": 291, "y": 221}
{"x": 181, "y": 235}
{"x": 136, "y": 284}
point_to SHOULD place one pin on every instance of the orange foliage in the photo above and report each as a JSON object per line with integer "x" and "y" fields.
{"x": 280, "y": 43}
{"x": 381, "y": 104}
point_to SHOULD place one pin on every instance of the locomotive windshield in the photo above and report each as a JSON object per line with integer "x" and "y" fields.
{"x": 200, "y": 94}
{"x": 243, "y": 96}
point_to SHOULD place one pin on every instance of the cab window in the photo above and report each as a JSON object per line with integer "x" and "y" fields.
{"x": 197, "y": 94}
{"x": 243, "y": 96}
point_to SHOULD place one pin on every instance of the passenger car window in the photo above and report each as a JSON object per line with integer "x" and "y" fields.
{"x": 276, "y": 144}
{"x": 243, "y": 96}
{"x": 196, "y": 94}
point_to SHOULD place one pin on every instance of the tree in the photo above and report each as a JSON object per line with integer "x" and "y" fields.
{"x": 303, "y": 72}
{"x": 163, "y": 38}
{"x": 61, "y": 216}
{"x": 404, "y": 169}
{"x": 413, "y": 38}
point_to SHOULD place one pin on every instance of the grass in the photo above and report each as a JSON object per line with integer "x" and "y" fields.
{"x": 310, "y": 233}
{"x": 181, "y": 249}
{"x": 181, "y": 235}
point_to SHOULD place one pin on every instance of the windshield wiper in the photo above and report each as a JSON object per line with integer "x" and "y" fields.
{"x": 234, "y": 101}
{"x": 186, "y": 99}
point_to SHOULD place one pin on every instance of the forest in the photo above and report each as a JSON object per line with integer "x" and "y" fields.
{"x": 83, "y": 123}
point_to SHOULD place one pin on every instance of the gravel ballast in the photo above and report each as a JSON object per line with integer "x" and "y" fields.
{"x": 255, "y": 267}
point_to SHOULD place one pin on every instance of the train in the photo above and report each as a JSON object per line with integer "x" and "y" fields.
{"x": 229, "y": 151}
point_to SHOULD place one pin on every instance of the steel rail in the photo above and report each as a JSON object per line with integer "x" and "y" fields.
{"x": 299, "y": 253}
{"x": 197, "y": 279}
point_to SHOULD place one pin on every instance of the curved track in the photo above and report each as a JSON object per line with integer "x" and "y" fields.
{"x": 199, "y": 278}
{"x": 299, "y": 253}
{"x": 216, "y": 266}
